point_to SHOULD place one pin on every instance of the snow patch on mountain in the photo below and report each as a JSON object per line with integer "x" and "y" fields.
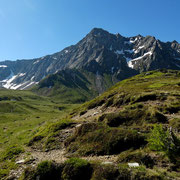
{"x": 133, "y": 41}
{"x": 139, "y": 48}
{"x": 129, "y": 51}
{"x": 3, "y": 66}
{"x": 148, "y": 53}
{"x": 127, "y": 59}
{"x": 21, "y": 74}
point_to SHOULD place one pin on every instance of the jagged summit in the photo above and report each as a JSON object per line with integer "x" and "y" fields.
{"x": 99, "y": 52}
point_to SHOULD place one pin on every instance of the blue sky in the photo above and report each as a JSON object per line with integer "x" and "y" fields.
{"x": 34, "y": 28}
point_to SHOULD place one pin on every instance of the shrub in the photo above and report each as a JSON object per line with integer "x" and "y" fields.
{"x": 159, "y": 139}
{"x": 45, "y": 170}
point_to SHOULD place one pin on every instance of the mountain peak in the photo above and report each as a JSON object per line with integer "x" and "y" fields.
{"x": 98, "y": 31}
{"x": 99, "y": 52}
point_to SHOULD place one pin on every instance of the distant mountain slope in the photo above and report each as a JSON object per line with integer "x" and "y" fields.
{"x": 99, "y": 52}
{"x": 75, "y": 86}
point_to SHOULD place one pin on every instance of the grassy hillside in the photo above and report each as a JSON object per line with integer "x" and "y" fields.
{"x": 21, "y": 114}
{"x": 136, "y": 121}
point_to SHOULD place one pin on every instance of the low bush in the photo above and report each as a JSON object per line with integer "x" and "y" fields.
{"x": 45, "y": 170}
{"x": 165, "y": 141}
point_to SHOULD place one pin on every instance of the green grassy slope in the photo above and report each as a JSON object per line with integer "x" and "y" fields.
{"x": 21, "y": 114}
{"x": 137, "y": 120}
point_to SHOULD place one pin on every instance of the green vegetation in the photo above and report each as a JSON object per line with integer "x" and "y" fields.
{"x": 137, "y": 120}
{"x": 165, "y": 141}
{"x": 136, "y": 113}
{"x": 45, "y": 170}
{"x": 72, "y": 169}
{"x": 97, "y": 139}
{"x": 11, "y": 152}
{"x": 159, "y": 139}
{"x": 22, "y": 114}
{"x": 139, "y": 89}
{"x": 76, "y": 168}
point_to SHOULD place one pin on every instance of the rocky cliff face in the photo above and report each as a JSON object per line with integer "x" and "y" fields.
{"x": 100, "y": 53}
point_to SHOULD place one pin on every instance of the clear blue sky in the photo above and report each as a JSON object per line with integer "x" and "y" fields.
{"x": 34, "y": 28}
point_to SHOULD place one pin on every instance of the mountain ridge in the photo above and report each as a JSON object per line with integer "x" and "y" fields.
{"x": 98, "y": 52}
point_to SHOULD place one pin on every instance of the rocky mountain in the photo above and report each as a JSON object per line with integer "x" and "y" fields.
{"x": 99, "y": 53}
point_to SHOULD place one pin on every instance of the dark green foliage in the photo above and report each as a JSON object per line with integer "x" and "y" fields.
{"x": 166, "y": 141}
{"x": 76, "y": 169}
{"x": 172, "y": 108}
{"x": 45, "y": 170}
{"x": 92, "y": 138}
{"x": 159, "y": 139}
